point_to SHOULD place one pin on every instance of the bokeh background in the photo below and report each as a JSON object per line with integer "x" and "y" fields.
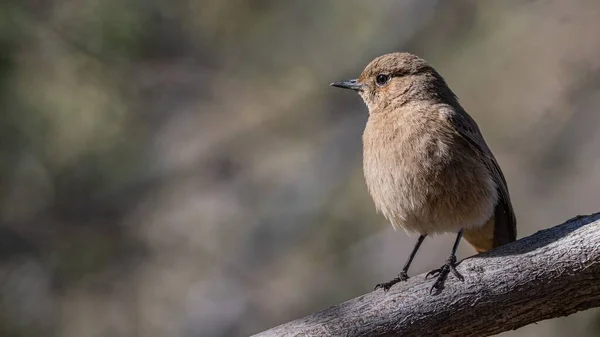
{"x": 182, "y": 168}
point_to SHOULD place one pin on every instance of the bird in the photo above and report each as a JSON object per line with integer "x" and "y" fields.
{"x": 426, "y": 164}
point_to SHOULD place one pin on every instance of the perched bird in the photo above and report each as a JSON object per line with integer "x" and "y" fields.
{"x": 426, "y": 164}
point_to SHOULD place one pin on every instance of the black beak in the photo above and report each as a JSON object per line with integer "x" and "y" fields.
{"x": 348, "y": 84}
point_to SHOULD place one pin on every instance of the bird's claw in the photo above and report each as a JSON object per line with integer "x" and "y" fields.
{"x": 442, "y": 274}
{"x": 403, "y": 276}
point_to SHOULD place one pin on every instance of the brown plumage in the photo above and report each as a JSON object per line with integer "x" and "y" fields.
{"x": 425, "y": 162}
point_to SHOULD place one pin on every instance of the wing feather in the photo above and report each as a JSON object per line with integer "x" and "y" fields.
{"x": 505, "y": 223}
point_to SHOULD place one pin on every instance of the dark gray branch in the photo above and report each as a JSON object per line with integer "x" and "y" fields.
{"x": 553, "y": 273}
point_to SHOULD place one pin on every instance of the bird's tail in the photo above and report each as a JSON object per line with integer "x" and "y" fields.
{"x": 498, "y": 231}
{"x": 481, "y": 238}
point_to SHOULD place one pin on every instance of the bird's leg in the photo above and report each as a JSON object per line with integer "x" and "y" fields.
{"x": 449, "y": 266}
{"x": 403, "y": 276}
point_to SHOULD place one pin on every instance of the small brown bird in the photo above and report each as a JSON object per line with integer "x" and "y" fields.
{"x": 425, "y": 162}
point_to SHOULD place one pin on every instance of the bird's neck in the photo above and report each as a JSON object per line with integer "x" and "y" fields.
{"x": 431, "y": 88}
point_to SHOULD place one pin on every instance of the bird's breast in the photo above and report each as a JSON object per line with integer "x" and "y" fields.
{"x": 422, "y": 177}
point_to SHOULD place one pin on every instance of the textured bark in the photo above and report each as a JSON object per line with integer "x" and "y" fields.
{"x": 553, "y": 273}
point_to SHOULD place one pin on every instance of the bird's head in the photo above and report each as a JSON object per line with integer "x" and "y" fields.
{"x": 396, "y": 78}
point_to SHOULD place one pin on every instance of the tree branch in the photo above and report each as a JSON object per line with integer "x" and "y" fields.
{"x": 553, "y": 273}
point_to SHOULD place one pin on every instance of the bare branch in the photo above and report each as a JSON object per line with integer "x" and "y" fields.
{"x": 553, "y": 273}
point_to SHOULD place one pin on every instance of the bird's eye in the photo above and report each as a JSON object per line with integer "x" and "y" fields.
{"x": 382, "y": 79}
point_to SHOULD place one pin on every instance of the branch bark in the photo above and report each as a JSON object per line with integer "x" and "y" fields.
{"x": 552, "y": 273}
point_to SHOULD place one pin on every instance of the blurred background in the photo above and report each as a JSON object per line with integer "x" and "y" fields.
{"x": 183, "y": 168}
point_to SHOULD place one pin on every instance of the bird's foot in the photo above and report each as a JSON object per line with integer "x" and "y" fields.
{"x": 442, "y": 274}
{"x": 403, "y": 276}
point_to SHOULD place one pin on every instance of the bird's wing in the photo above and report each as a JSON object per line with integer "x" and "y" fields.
{"x": 505, "y": 223}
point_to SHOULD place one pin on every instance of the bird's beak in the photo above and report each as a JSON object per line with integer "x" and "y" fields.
{"x": 348, "y": 84}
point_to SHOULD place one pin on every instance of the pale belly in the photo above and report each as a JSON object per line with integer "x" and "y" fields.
{"x": 429, "y": 189}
